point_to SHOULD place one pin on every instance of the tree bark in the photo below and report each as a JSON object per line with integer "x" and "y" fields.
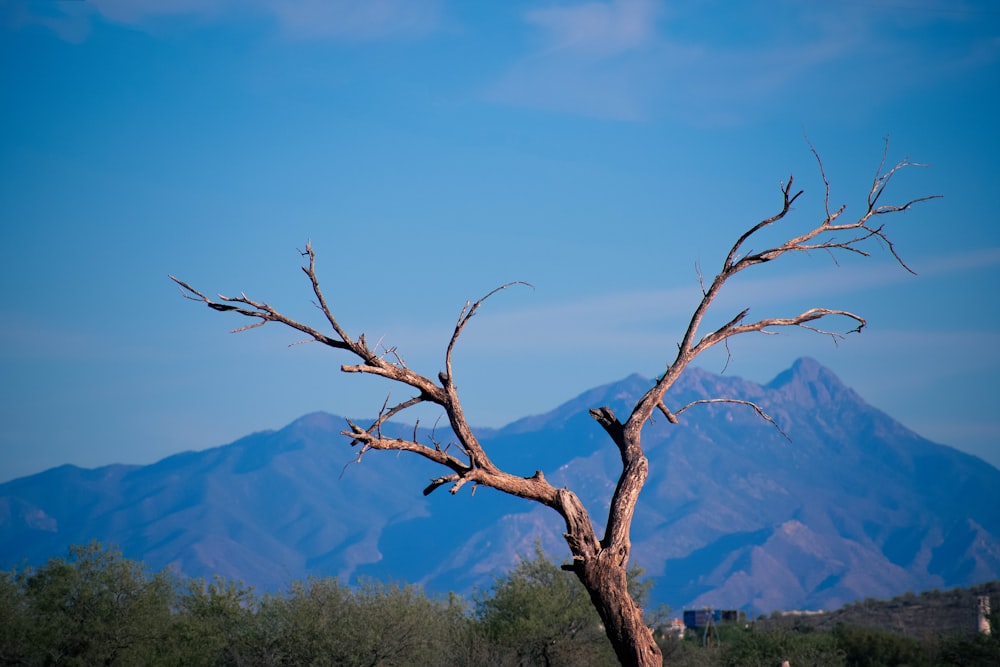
{"x": 605, "y": 579}
{"x": 604, "y": 571}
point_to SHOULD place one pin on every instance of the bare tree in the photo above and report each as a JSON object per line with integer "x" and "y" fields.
{"x": 599, "y": 562}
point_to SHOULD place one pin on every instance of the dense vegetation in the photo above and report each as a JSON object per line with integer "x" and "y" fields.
{"x": 97, "y": 608}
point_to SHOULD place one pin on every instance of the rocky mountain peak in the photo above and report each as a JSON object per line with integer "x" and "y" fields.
{"x": 808, "y": 384}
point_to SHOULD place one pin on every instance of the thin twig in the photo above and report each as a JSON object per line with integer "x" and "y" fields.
{"x": 756, "y": 408}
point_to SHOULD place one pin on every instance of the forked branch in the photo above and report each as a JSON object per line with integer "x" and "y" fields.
{"x": 477, "y": 466}
{"x": 829, "y": 234}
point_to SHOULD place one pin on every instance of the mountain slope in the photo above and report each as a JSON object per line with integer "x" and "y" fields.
{"x": 850, "y": 505}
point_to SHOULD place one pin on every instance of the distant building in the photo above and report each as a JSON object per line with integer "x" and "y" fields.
{"x": 695, "y": 619}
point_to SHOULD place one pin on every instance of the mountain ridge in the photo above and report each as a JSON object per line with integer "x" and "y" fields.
{"x": 851, "y": 504}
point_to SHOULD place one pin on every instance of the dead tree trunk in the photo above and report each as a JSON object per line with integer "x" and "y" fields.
{"x": 605, "y": 580}
{"x": 599, "y": 563}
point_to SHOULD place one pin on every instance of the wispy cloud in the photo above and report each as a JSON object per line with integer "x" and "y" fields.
{"x": 634, "y": 60}
{"x": 591, "y": 59}
{"x": 348, "y": 19}
{"x": 596, "y": 28}
{"x": 133, "y": 12}
{"x": 296, "y": 19}
{"x": 979, "y": 258}
{"x": 650, "y": 318}
{"x": 68, "y": 20}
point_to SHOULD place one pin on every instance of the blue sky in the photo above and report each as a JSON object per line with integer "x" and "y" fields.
{"x": 433, "y": 150}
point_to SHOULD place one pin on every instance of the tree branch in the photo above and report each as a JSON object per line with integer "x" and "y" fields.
{"x": 478, "y": 469}
{"x": 452, "y": 405}
{"x": 828, "y": 234}
{"x": 823, "y": 236}
{"x": 760, "y": 411}
{"x": 256, "y": 310}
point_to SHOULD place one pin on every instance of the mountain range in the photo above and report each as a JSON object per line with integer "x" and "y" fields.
{"x": 841, "y": 503}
